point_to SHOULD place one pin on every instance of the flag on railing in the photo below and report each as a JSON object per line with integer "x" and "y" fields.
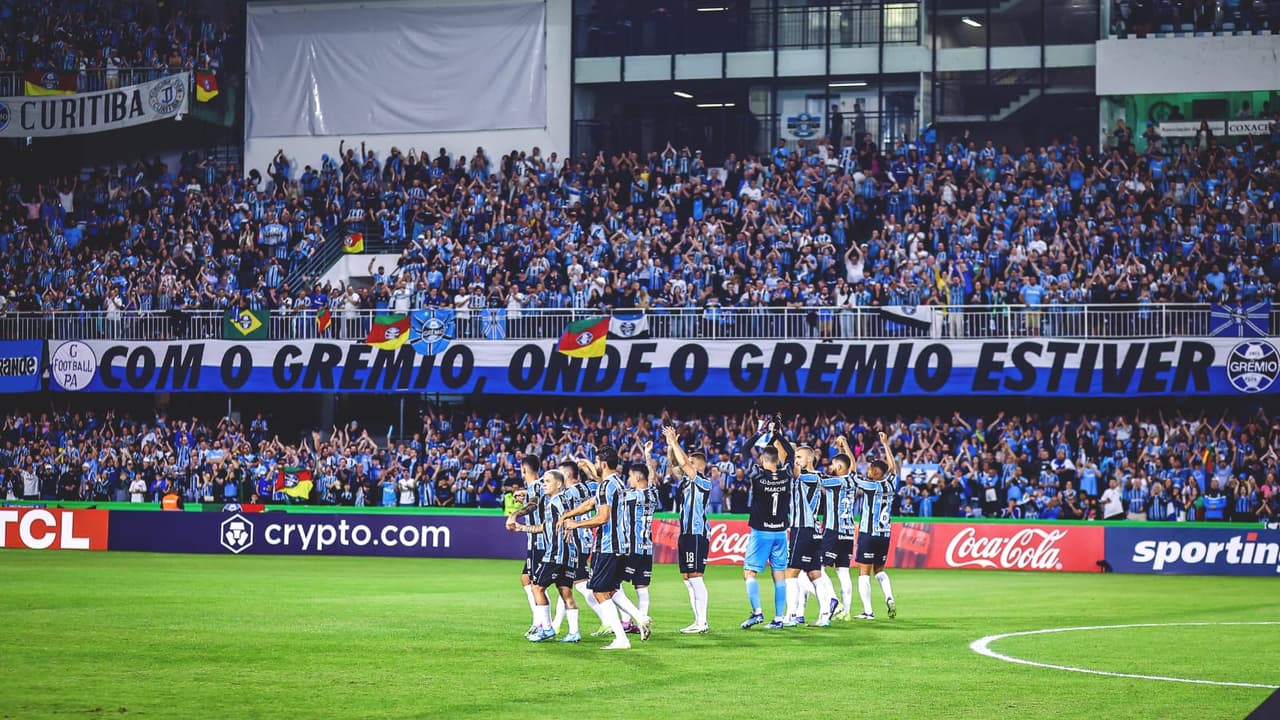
{"x": 324, "y": 319}
{"x": 913, "y": 317}
{"x": 493, "y": 324}
{"x": 430, "y": 331}
{"x": 629, "y": 325}
{"x": 353, "y": 242}
{"x": 388, "y": 332}
{"x": 1240, "y": 320}
{"x": 585, "y": 338}
{"x": 245, "y": 324}
{"x": 206, "y": 86}
{"x": 294, "y": 482}
{"x": 49, "y": 83}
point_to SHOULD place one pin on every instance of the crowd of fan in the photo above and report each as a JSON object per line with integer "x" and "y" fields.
{"x": 810, "y": 225}
{"x": 110, "y": 43}
{"x": 1144, "y": 17}
{"x": 1064, "y": 466}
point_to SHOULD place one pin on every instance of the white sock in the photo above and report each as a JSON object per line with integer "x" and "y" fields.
{"x": 626, "y": 606}
{"x": 806, "y": 589}
{"x": 793, "y": 597}
{"x": 700, "y": 600}
{"x": 864, "y": 592}
{"x": 572, "y": 614}
{"x": 883, "y": 578}
{"x": 826, "y": 593}
{"x": 846, "y": 588}
{"x": 693, "y": 598}
{"x": 587, "y": 595}
{"x": 559, "y": 619}
{"x": 533, "y": 604}
{"x": 642, "y": 600}
{"x": 542, "y": 616}
{"x": 609, "y": 616}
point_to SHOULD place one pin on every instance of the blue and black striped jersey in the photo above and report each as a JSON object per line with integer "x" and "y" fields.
{"x": 636, "y": 521}
{"x": 609, "y": 493}
{"x": 806, "y": 500}
{"x": 694, "y": 494}
{"x": 533, "y": 496}
{"x": 559, "y": 548}
{"x": 877, "y": 503}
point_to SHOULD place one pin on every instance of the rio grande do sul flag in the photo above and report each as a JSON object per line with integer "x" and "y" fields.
{"x": 585, "y": 338}
{"x": 388, "y": 332}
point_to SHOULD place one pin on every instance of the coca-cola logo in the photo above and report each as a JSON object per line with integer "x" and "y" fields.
{"x": 725, "y": 546}
{"x": 1027, "y": 549}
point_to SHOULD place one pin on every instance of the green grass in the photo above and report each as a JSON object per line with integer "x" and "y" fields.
{"x": 173, "y": 636}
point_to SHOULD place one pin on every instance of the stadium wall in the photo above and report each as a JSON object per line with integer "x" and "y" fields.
{"x": 553, "y": 136}
{"x": 1128, "y": 547}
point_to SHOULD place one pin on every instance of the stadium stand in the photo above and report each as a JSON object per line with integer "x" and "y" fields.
{"x": 1029, "y": 466}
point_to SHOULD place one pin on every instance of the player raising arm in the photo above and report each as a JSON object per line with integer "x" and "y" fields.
{"x": 694, "y": 493}
{"x": 878, "y": 490}
{"x": 770, "y": 479}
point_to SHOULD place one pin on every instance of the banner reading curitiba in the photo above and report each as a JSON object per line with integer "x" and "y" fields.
{"x": 1032, "y": 366}
{"x": 93, "y": 112}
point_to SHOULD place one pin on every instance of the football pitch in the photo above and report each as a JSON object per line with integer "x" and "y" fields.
{"x": 182, "y": 636}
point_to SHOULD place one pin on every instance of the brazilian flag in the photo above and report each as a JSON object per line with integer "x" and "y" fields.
{"x": 245, "y": 324}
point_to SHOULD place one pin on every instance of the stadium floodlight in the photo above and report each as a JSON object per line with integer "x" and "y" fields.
{"x": 682, "y": 94}
{"x": 970, "y": 22}
{"x": 848, "y": 83}
{"x": 716, "y": 105}
{"x": 712, "y": 9}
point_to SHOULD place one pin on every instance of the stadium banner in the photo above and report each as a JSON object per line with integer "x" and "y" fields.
{"x": 93, "y": 112}
{"x": 21, "y": 363}
{"x": 345, "y": 83}
{"x": 1250, "y": 550}
{"x": 284, "y": 533}
{"x": 38, "y": 528}
{"x": 982, "y": 546}
{"x": 713, "y": 368}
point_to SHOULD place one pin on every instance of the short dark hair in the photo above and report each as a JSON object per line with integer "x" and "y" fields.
{"x": 568, "y": 469}
{"x": 769, "y": 452}
{"x": 843, "y": 458}
{"x": 698, "y": 456}
{"x": 608, "y": 456}
{"x": 639, "y": 467}
{"x": 533, "y": 462}
{"x": 881, "y": 465}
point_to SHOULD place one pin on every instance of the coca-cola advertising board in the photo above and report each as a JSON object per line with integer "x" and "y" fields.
{"x": 934, "y": 545}
{"x": 998, "y": 546}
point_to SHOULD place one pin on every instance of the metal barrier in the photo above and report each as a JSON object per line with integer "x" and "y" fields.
{"x": 12, "y": 83}
{"x": 724, "y": 323}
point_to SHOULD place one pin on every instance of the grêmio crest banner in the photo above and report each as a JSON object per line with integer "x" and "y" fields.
{"x": 712, "y": 368}
{"x": 82, "y": 113}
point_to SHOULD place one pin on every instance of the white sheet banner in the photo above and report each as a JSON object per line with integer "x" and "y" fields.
{"x": 82, "y": 113}
{"x": 320, "y": 71}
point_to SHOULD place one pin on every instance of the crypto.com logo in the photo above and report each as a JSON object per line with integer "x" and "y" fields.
{"x": 236, "y": 533}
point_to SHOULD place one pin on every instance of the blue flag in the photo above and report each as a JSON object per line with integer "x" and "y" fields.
{"x": 494, "y": 323}
{"x": 1240, "y": 320}
{"x": 430, "y": 331}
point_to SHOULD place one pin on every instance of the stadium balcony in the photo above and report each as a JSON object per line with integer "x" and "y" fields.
{"x": 1081, "y": 321}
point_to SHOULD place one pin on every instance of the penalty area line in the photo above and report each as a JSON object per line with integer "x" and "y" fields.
{"x": 982, "y": 646}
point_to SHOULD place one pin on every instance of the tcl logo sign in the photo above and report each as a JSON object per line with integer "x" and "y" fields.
{"x": 40, "y": 529}
{"x": 725, "y": 546}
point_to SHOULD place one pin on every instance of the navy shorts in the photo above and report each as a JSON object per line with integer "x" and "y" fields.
{"x": 548, "y": 574}
{"x": 837, "y": 549}
{"x": 605, "y": 573}
{"x": 637, "y": 569}
{"x": 806, "y": 550}
{"x": 692, "y": 553}
{"x": 872, "y": 550}
{"x": 531, "y": 560}
{"x": 582, "y": 571}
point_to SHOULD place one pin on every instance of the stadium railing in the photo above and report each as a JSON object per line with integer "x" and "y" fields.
{"x": 93, "y": 80}
{"x": 726, "y": 323}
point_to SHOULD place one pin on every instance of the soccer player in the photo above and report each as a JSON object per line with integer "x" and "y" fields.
{"x": 605, "y": 566}
{"x": 770, "y": 479}
{"x": 530, "y": 466}
{"x": 873, "y": 529}
{"x": 837, "y": 541}
{"x": 576, "y": 493}
{"x": 805, "y": 551}
{"x": 639, "y": 503}
{"x": 695, "y": 491}
{"x": 556, "y": 566}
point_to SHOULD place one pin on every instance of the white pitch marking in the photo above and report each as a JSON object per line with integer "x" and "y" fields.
{"x": 982, "y": 647}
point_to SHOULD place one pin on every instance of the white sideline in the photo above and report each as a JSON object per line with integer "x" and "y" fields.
{"x": 982, "y": 647}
